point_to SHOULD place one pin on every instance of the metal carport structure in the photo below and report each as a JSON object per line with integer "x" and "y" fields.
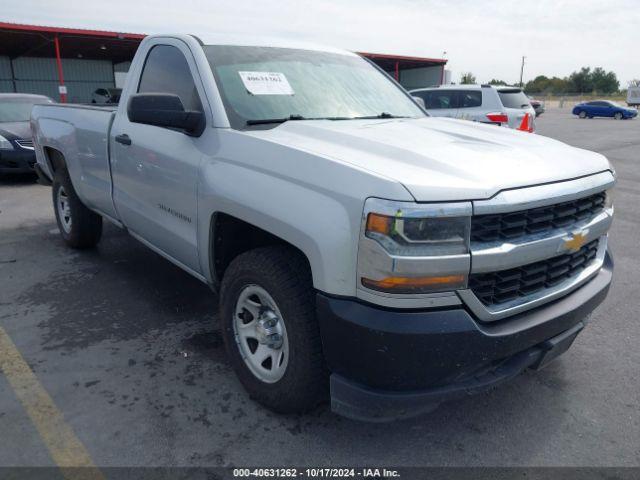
{"x": 69, "y": 63}
{"x": 48, "y": 60}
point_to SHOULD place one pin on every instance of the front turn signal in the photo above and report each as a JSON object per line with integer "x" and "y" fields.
{"x": 416, "y": 284}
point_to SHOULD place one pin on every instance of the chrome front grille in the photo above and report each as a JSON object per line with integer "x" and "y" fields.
{"x": 526, "y": 280}
{"x": 536, "y": 221}
{"x": 28, "y": 144}
{"x": 524, "y": 241}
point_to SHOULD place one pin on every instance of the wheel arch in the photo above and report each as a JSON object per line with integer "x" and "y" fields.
{"x": 55, "y": 159}
{"x": 230, "y": 236}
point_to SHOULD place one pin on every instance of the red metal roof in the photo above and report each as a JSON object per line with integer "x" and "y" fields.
{"x": 70, "y": 31}
{"x": 404, "y": 58}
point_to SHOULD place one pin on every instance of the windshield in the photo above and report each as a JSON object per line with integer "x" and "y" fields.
{"x": 514, "y": 98}
{"x": 266, "y": 83}
{"x": 16, "y": 111}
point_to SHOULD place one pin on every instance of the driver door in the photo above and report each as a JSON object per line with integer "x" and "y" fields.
{"x": 155, "y": 169}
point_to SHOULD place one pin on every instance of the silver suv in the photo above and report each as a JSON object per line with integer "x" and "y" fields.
{"x": 504, "y": 106}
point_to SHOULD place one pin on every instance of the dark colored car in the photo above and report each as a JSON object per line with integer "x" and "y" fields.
{"x": 604, "y": 108}
{"x": 537, "y": 105}
{"x": 16, "y": 145}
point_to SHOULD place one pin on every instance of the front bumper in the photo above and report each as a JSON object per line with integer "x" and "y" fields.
{"x": 17, "y": 161}
{"x": 389, "y": 364}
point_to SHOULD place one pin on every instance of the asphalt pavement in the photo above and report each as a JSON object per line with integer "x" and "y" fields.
{"x": 127, "y": 348}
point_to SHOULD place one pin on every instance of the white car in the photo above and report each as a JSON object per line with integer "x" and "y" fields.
{"x": 106, "y": 95}
{"x": 504, "y": 106}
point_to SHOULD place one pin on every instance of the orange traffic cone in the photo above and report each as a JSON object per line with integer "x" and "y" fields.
{"x": 526, "y": 125}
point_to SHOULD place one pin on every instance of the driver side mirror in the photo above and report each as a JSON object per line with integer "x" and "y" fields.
{"x": 419, "y": 101}
{"x": 165, "y": 110}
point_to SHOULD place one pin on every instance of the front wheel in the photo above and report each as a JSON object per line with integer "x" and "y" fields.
{"x": 582, "y": 114}
{"x": 618, "y": 116}
{"x": 270, "y": 331}
{"x": 79, "y": 226}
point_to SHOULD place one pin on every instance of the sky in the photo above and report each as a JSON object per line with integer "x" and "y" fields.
{"x": 487, "y": 38}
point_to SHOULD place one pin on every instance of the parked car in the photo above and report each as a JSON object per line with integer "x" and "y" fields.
{"x": 633, "y": 97}
{"x": 504, "y": 106}
{"x": 106, "y": 95}
{"x": 363, "y": 250}
{"x": 16, "y": 147}
{"x": 604, "y": 108}
{"x": 537, "y": 105}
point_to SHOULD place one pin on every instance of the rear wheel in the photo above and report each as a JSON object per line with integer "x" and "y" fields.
{"x": 618, "y": 116}
{"x": 582, "y": 114}
{"x": 270, "y": 331}
{"x": 79, "y": 226}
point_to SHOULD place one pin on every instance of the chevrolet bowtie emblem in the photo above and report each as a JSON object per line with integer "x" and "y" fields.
{"x": 576, "y": 241}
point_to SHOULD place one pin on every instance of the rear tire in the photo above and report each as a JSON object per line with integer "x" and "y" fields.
{"x": 275, "y": 284}
{"x": 79, "y": 226}
{"x": 582, "y": 114}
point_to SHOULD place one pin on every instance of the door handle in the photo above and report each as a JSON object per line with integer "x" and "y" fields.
{"x": 123, "y": 139}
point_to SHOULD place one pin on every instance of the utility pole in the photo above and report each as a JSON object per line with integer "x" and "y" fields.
{"x": 522, "y": 71}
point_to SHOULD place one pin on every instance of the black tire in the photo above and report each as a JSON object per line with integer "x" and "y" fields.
{"x": 582, "y": 114}
{"x": 85, "y": 228}
{"x": 284, "y": 274}
{"x": 618, "y": 116}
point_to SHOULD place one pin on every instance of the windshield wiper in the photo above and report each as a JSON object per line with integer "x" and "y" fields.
{"x": 370, "y": 117}
{"x": 264, "y": 121}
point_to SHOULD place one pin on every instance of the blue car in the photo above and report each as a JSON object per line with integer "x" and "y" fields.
{"x": 604, "y": 108}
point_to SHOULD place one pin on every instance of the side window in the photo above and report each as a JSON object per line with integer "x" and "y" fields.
{"x": 167, "y": 71}
{"x": 440, "y": 99}
{"x": 470, "y": 98}
{"x": 424, "y": 95}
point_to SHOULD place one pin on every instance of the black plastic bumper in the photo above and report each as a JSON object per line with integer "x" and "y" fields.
{"x": 17, "y": 161}
{"x": 388, "y": 364}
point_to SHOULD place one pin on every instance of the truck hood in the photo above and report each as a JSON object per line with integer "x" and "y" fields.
{"x": 440, "y": 159}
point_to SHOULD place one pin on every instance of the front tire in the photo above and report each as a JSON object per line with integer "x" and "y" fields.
{"x": 582, "y": 114}
{"x": 618, "y": 116}
{"x": 270, "y": 331}
{"x": 79, "y": 226}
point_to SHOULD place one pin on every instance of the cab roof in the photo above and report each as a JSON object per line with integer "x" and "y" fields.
{"x": 207, "y": 38}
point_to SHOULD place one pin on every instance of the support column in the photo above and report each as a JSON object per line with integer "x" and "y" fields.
{"x": 61, "y": 87}
{"x": 397, "y": 71}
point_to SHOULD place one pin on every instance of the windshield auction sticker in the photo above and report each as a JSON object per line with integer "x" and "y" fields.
{"x": 266, "y": 83}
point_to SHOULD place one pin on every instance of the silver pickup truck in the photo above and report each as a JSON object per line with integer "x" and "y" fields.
{"x": 362, "y": 250}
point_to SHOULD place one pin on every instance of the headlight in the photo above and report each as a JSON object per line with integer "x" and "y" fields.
{"x": 419, "y": 236}
{"x": 5, "y": 144}
{"x": 414, "y": 248}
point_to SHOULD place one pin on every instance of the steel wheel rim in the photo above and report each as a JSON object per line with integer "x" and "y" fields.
{"x": 261, "y": 334}
{"x": 64, "y": 210}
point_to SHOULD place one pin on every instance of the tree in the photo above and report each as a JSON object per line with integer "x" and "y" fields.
{"x": 604, "y": 82}
{"x": 582, "y": 81}
{"x": 493, "y": 81}
{"x": 543, "y": 84}
{"x": 635, "y": 82}
{"x": 467, "y": 78}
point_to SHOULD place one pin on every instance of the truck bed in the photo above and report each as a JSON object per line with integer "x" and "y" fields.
{"x": 81, "y": 133}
